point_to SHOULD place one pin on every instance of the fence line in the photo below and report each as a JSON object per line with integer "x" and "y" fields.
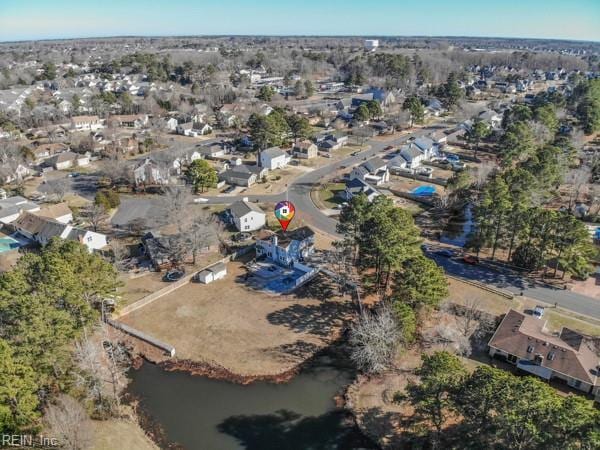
{"x": 142, "y": 336}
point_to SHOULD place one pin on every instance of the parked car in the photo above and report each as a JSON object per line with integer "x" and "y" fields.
{"x": 538, "y": 312}
{"x": 453, "y": 158}
{"x": 200, "y": 200}
{"x": 470, "y": 259}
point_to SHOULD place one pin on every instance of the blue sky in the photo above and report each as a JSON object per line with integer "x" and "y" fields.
{"x": 40, "y": 19}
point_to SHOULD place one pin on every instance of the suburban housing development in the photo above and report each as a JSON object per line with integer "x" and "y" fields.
{"x": 260, "y": 241}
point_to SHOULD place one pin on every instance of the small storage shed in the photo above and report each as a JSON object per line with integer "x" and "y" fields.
{"x": 213, "y": 273}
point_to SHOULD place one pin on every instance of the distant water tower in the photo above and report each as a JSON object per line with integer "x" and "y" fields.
{"x": 371, "y": 44}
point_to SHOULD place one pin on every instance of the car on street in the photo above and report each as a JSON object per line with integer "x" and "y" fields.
{"x": 470, "y": 259}
{"x": 200, "y": 200}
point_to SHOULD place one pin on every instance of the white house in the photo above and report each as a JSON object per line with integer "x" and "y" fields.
{"x": 88, "y": 123}
{"x": 171, "y": 124}
{"x": 67, "y": 160}
{"x": 374, "y": 171}
{"x": 213, "y": 273}
{"x": 148, "y": 172}
{"x": 286, "y": 248}
{"x": 371, "y": 44}
{"x": 247, "y": 216}
{"x": 12, "y": 207}
{"x": 273, "y": 158}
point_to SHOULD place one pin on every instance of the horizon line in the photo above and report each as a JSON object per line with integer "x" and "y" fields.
{"x": 150, "y": 36}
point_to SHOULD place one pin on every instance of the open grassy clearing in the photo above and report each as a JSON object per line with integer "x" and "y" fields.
{"x": 246, "y": 331}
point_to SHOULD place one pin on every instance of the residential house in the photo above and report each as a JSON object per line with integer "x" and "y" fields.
{"x": 414, "y": 153}
{"x": 129, "y": 120}
{"x": 434, "y": 107}
{"x": 247, "y": 216}
{"x": 10, "y": 173}
{"x": 305, "y": 149}
{"x": 42, "y": 229}
{"x": 44, "y": 151}
{"x": 148, "y": 172}
{"x": 286, "y": 248}
{"x": 87, "y": 123}
{"x": 386, "y": 98}
{"x": 439, "y": 138}
{"x": 58, "y": 211}
{"x": 357, "y": 186}
{"x": 523, "y": 340}
{"x": 374, "y": 170}
{"x": 333, "y": 141}
{"x": 243, "y": 175}
{"x": 185, "y": 129}
{"x": 213, "y": 151}
{"x": 427, "y": 146}
{"x": 171, "y": 124}
{"x": 492, "y": 118}
{"x": 12, "y": 207}
{"x": 273, "y": 158}
{"x": 66, "y": 160}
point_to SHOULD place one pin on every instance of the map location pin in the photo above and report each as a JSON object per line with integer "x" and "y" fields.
{"x": 284, "y": 211}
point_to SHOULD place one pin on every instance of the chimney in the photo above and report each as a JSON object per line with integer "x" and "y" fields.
{"x": 274, "y": 240}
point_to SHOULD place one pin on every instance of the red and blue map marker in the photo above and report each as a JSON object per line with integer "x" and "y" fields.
{"x": 285, "y": 211}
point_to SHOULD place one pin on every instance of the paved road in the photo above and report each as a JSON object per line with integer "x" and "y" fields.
{"x": 509, "y": 281}
{"x": 299, "y": 193}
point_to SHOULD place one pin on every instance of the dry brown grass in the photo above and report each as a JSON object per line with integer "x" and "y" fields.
{"x": 113, "y": 434}
{"x": 248, "y": 332}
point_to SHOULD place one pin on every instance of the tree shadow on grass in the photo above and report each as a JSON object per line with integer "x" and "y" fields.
{"x": 287, "y": 430}
{"x": 314, "y": 319}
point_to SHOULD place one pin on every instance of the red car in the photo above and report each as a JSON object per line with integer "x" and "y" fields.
{"x": 470, "y": 259}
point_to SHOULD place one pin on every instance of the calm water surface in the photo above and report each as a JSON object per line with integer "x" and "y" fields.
{"x": 200, "y": 413}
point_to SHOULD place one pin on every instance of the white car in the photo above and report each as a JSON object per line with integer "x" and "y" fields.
{"x": 538, "y": 312}
{"x": 200, "y": 200}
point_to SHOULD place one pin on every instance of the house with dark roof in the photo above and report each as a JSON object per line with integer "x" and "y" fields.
{"x": 42, "y": 229}
{"x": 569, "y": 357}
{"x": 356, "y": 186}
{"x": 247, "y": 216}
{"x": 374, "y": 171}
{"x": 243, "y": 175}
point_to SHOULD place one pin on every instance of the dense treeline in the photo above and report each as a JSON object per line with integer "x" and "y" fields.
{"x": 46, "y": 302}
{"x": 510, "y": 208}
{"x": 492, "y": 408}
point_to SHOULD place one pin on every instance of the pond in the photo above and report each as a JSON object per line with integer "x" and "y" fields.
{"x": 200, "y": 413}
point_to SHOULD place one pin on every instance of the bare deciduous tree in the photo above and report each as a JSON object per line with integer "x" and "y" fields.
{"x": 58, "y": 188}
{"x": 102, "y": 364}
{"x": 68, "y": 421}
{"x": 375, "y": 339}
{"x": 96, "y": 215}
